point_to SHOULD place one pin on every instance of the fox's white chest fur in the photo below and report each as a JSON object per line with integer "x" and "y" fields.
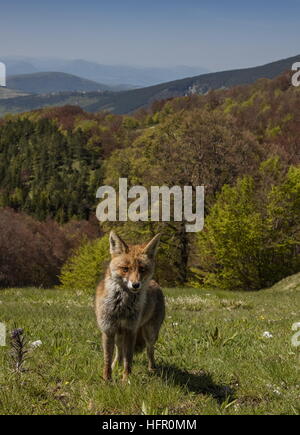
{"x": 121, "y": 307}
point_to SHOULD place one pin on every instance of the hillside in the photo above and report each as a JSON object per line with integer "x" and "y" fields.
{"x": 31, "y": 102}
{"x": 129, "y": 101}
{"x": 10, "y": 93}
{"x": 53, "y": 160}
{"x": 273, "y": 121}
{"x": 291, "y": 283}
{"x": 48, "y": 82}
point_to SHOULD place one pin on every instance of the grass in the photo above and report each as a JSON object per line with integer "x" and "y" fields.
{"x": 212, "y": 356}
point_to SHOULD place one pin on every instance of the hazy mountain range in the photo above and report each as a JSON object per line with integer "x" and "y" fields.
{"x": 110, "y": 75}
{"x": 128, "y": 101}
{"x": 49, "y": 82}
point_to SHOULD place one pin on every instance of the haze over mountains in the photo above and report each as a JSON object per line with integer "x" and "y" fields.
{"x": 131, "y": 100}
{"x": 110, "y": 75}
{"x": 49, "y": 82}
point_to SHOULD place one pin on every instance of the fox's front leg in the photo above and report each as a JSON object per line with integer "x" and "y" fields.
{"x": 108, "y": 343}
{"x": 129, "y": 339}
{"x": 119, "y": 351}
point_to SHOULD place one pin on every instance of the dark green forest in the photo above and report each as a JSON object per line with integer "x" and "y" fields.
{"x": 52, "y": 169}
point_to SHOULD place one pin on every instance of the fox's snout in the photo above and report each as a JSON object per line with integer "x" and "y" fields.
{"x": 134, "y": 285}
{"x": 134, "y": 280}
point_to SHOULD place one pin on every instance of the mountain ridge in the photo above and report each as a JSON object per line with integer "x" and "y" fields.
{"x": 110, "y": 75}
{"x": 49, "y": 82}
{"x": 131, "y": 100}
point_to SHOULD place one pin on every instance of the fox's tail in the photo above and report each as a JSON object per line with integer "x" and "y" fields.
{"x": 140, "y": 343}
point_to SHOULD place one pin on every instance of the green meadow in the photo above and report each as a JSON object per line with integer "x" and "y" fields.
{"x": 218, "y": 353}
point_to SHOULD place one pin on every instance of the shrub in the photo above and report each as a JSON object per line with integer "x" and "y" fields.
{"x": 251, "y": 237}
{"x": 87, "y": 266}
{"x": 33, "y": 252}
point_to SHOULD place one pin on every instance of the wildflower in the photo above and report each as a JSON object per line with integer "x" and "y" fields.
{"x": 17, "y": 333}
{"x": 36, "y": 344}
{"x": 267, "y": 334}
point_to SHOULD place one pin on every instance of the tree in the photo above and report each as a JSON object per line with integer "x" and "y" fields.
{"x": 252, "y": 234}
{"x": 187, "y": 149}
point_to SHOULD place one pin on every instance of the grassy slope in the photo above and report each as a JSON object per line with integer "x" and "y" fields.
{"x": 232, "y": 370}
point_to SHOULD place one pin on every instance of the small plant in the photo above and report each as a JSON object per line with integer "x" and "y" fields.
{"x": 18, "y": 349}
{"x": 147, "y": 410}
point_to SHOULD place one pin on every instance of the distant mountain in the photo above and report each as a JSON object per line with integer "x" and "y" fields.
{"x": 115, "y": 74}
{"x": 111, "y": 75}
{"x": 18, "y": 66}
{"x": 48, "y": 82}
{"x": 128, "y": 101}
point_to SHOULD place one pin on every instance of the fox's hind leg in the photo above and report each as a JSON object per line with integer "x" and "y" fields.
{"x": 150, "y": 334}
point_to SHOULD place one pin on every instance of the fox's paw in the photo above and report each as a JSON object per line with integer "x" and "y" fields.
{"x": 126, "y": 380}
{"x": 107, "y": 375}
{"x": 107, "y": 380}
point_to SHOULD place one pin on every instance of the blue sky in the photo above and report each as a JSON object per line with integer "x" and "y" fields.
{"x": 218, "y": 35}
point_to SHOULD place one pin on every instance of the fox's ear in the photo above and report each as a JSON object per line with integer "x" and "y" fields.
{"x": 151, "y": 248}
{"x": 117, "y": 245}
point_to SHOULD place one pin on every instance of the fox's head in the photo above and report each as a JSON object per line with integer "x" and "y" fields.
{"x": 132, "y": 266}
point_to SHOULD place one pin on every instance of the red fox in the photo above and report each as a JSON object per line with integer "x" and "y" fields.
{"x": 130, "y": 306}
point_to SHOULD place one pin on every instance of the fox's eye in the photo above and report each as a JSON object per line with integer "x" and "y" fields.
{"x": 125, "y": 269}
{"x": 142, "y": 269}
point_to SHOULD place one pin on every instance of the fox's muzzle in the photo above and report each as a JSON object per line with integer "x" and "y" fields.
{"x": 135, "y": 286}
